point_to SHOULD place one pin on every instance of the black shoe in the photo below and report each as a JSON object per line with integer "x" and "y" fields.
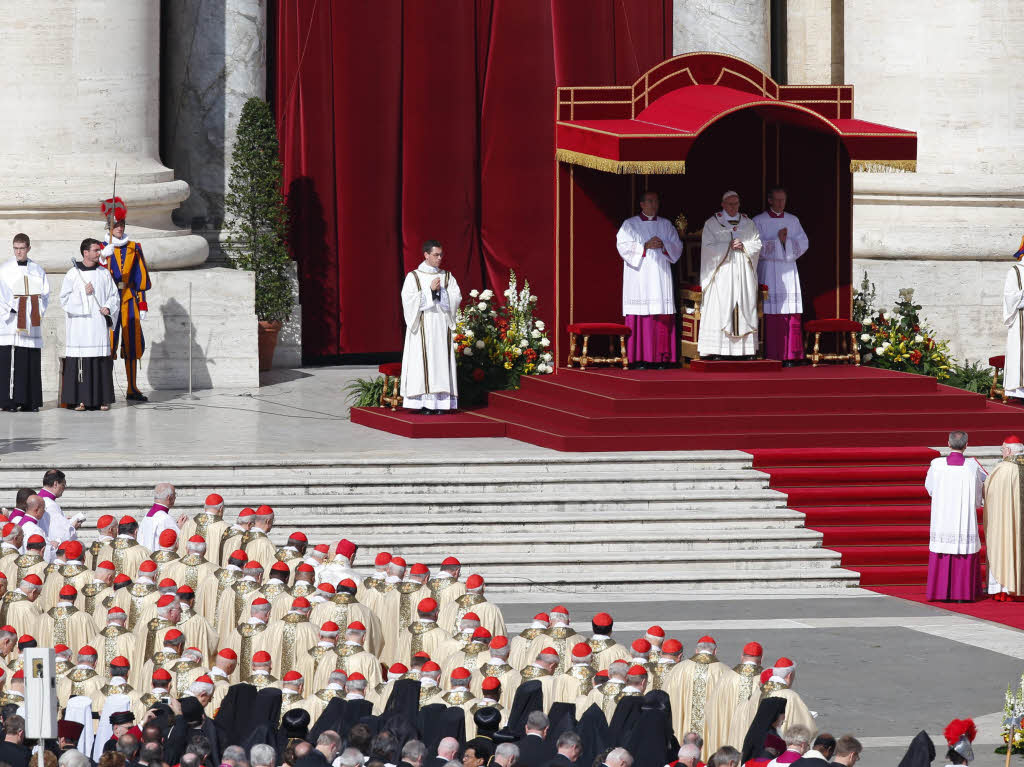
{"x": 661, "y": 366}
{"x": 638, "y": 366}
{"x": 10, "y": 410}
{"x": 137, "y": 397}
{"x": 25, "y": 409}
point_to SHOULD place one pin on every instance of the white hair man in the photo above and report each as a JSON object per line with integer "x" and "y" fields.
{"x": 292, "y": 637}
{"x": 798, "y": 740}
{"x": 350, "y": 757}
{"x": 351, "y": 656}
{"x": 956, "y": 485}
{"x": 498, "y": 666}
{"x": 82, "y": 679}
{"x": 193, "y": 569}
{"x": 689, "y": 755}
{"x": 488, "y": 612}
{"x": 780, "y": 685}
{"x": 159, "y": 518}
{"x": 558, "y": 635}
{"x": 1003, "y": 513}
{"x": 317, "y": 702}
{"x": 115, "y": 637}
{"x": 20, "y": 608}
{"x": 414, "y": 753}
{"x": 619, "y": 757}
{"x": 329, "y": 744}
{"x": 734, "y": 703}
{"x": 292, "y": 691}
{"x": 506, "y": 754}
{"x": 262, "y": 755}
{"x": 355, "y": 687}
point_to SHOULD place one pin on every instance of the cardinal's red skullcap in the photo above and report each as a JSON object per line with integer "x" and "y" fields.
{"x": 8, "y": 529}
{"x": 471, "y": 617}
{"x": 329, "y": 626}
{"x": 766, "y": 675}
{"x": 356, "y": 677}
{"x": 116, "y": 611}
{"x": 323, "y": 548}
{"x": 298, "y": 536}
{"x": 581, "y": 650}
{"x": 431, "y": 666}
{"x": 1013, "y": 439}
{"x": 382, "y": 559}
{"x": 481, "y": 633}
{"x": 420, "y": 654}
{"x": 161, "y": 675}
{"x": 560, "y": 609}
{"x": 326, "y": 588}
{"x": 197, "y": 539}
{"x": 602, "y": 619}
{"x": 252, "y": 564}
{"x": 398, "y": 561}
{"x": 491, "y": 683}
{"x": 204, "y": 679}
{"x": 19, "y": 674}
{"x": 460, "y": 673}
{"x": 126, "y": 520}
{"x": 34, "y": 579}
{"x": 29, "y": 638}
{"x": 304, "y": 567}
{"x": 672, "y": 646}
{"x": 168, "y": 538}
{"x": 783, "y": 663}
{"x": 499, "y": 641}
{"x": 706, "y": 640}
{"x": 427, "y": 605}
{"x": 239, "y": 554}
{"x": 185, "y": 589}
{"x": 279, "y": 567}
{"x": 105, "y": 521}
{"x": 165, "y": 600}
{"x": 167, "y": 583}
{"x": 451, "y": 562}
{"x": 474, "y": 581}
{"x": 36, "y": 539}
{"x": 656, "y": 631}
{"x": 641, "y": 645}
{"x": 356, "y": 626}
{"x": 300, "y": 602}
{"x": 120, "y": 661}
{"x": 398, "y": 668}
{"x": 60, "y": 648}
{"x": 121, "y": 578}
{"x": 228, "y": 654}
{"x": 173, "y": 636}
{"x": 542, "y": 617}
{"x": 246, "y": 512}
{"x": 292, "y": 676}
{"x": 419, "y": 569}
{"x": 637, "y": 671}
{"x": 260, "y": 601}
{"x": 147, "y": 566}
{"x": 348, "y": 583}
{"x": 346, "y": 548}
{"x": 87, "y": 650}
{"x": 69, "y": 591}
{"x": 214, "y": 500}
{"x": 549, "y": 651}
{"x": 753, "y": 649}
{"x": 106, "y": 564}
{"x": 264, "y": 511}
{"x": 261, "y": 657}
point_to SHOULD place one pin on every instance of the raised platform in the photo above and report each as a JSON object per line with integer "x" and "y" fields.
{"x": 754, "y": 407}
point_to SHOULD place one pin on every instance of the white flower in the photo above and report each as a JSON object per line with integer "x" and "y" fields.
{"x": 487, "y": 295}
{"x": 539, "y": 324}
{"x": 468, "y": 352}
{"x": 535, "y": 334}
{"x": 480, "y": 344}
{"x": 470, "y": 334}
{"x": 918, "y": 339}
{"x": 482, "y": 306}
{"x": 546, "y": 357}
{"x": 494, "y": 313}
{"x": 865, "y": 337}
{"x": 866, "y": 323}
{"x": 542, "y": 368}
{"x": 517, "y": 351}
{"x": 524, "y": 343}
{"x": 879, "y": 349}
{"x": 883, "y": 316}
{"x": 474, "y": 293}
{"x": 545, "y": 342}
{"x": 509, "y": 293}
{"x": 533, "y": 299}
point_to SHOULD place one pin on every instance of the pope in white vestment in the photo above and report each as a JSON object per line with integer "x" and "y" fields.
{"x": 649, "y": 245}
{"x": 730, "y": 247}
{"x": 24, "y": 297}
{"x": 955, "y": 484}
{"x": 1013, "y": 319}
{"x": 89, "y": 298}
{"x": 783, "y": 241}
{"x": 430, "y": 300}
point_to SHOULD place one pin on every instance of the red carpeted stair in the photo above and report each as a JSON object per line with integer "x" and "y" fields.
{"x": 869, "y": 504}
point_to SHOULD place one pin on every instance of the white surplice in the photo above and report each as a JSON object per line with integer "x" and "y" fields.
{"x": 956, "y": 493}
{"x": 85, "y": 327}
{"x": 14, "y": 278}
{"x": 776, "y": 266}
{"x": 428, "y": 359}
{"x": 647, "y": 274}
{"x": 728, "y": 280}
{"x": 1013, "y": 319}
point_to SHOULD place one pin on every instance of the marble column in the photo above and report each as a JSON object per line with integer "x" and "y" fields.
{"x": 79, "y": 91}
{"x": 740, "y": 28}
{"x": 948, "y": 230}
{"x": 814, "y": 42}
{"x": 214, "y": 58}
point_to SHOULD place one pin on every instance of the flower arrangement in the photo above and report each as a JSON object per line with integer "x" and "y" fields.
{"x": 1013, "y": 711}
{"x": 896, "y": 340}
{"x": 496, "y": 343}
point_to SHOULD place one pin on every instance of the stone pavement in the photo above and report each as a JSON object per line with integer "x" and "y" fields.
{"x": 875, "y": 666}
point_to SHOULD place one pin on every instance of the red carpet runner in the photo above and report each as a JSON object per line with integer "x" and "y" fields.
{"x": 870, "y": 505}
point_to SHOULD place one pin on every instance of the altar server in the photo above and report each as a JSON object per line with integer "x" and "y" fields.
{"x": 1013, "y": 319}
{"x": 730, "y": 247}
{"x": 649, "y": 245}
{"x": 89, "y": 298}
{"x": 783, "y": 241}
{"x": 24, "y": 297}
{"x": 430, "y": 300}
{"x": 955, "y": 484}
{"x": 1004, "y": 546}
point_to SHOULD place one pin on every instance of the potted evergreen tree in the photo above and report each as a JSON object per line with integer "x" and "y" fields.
{"x": 256, "y": 221}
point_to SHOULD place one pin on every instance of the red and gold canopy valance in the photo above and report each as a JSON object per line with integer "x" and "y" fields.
{"x": 651, "y": 126}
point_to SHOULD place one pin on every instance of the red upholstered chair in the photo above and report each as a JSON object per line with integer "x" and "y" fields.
{"x": 392, "y": 372}
{"x": 588, "y": 329}
{"x": 846, "y": 336}
{"x": 998, "y": 363}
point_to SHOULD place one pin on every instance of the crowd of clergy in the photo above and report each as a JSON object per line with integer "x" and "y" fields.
{"x": 202, "y": 638}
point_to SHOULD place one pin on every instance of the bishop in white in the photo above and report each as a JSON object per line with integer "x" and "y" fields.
{"x": 729, "y": 250}
{"x": 24, "y": 297}
{"x": 430, "y": 300}
{"x": 1013, "y": 319}
{"x": 649, "y": 245}
{"x": 89, "y": 298}
{"x": 783, "y": 241}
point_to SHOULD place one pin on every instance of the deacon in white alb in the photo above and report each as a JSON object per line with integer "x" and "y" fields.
{"x": 24, "y": 296}
{"x": 783, "y": 241}
{"x": 649, "y": 245}
{"x": 430, "y": 300}
{"x": 1013, "y": 319}
{"x": 729, "y": 251}
{"x": 89, "y": 298}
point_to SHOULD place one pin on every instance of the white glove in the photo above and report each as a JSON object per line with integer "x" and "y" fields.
{"x": 107, "y": 251}
{"x": 142, "y": 314}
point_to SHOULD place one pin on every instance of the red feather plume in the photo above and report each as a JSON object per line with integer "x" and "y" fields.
{"x": 115, "y": 204}
{"x": 959, "y": 727}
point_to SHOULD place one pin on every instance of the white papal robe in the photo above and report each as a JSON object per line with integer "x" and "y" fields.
{"x": 728, "y": 280}
{"x": 1013, "y": 319}
{"x": 428, "y": 359}
{"x": 647, "y": 273}
{"x": 776, "y": 265}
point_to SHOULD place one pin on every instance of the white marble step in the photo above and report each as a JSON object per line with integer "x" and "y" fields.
{"x": 238, "y": 491}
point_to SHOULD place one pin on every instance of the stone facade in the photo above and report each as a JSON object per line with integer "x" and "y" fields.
{"x": 737, "y": 27}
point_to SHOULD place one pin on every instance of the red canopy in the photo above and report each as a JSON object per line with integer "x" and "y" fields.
{"x": 649, "y": 127}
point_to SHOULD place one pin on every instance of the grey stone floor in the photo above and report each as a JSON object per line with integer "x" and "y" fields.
{"x": 877, "y": 667}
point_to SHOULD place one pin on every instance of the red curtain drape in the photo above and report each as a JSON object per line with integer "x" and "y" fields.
{"x": 402, "y": 121}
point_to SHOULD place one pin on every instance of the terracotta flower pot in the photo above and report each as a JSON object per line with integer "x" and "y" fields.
{"x": 267, "y": 342}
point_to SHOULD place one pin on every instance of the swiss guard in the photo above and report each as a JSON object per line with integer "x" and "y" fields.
{"x": 127, "y": 265}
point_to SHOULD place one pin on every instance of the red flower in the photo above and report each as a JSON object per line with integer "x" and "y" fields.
{"x": 478, "y": 374}
{"x": 915, "y": 357}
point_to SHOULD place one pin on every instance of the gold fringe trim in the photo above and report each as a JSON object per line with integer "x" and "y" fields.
{"x": 883, "y": 166}
{"x": 645, "y": 167}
